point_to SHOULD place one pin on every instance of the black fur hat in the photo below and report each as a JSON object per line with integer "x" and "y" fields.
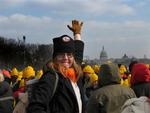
{"x": 63, "y": 44}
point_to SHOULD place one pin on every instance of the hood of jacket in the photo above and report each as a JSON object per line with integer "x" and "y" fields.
{"x": 140, "y": 74}
{"x": 109, "y": 74}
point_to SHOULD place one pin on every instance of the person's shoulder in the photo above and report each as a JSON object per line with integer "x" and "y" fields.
{"x": 49, "y": 75}
{"x": 4, "y": 87}
{"x": 98, "y": 92}
{"x": 4, "y": 84}
{"x": 46, "y": 75}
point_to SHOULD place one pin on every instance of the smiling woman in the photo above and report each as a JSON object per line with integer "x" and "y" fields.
{"x": 69, "y": 94}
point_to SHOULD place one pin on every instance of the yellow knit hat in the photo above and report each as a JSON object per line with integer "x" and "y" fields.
{"x": 39, "y": 74}
{"x": 20, "y": 75}
{"x": 28, "y": 72}
{"x": 96, "y": 68}
{"x": 14, "y": 72}
{"x": 93, "y": 77}
{"x": 88, "y": 69}
{"x": 22, "y": 84}
{"x": 122, "y": 69}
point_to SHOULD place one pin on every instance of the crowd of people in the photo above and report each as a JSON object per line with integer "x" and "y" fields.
{"x": 68, "y": 85}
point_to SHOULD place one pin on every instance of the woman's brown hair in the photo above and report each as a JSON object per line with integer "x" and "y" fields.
{"x": 62, "y": 69}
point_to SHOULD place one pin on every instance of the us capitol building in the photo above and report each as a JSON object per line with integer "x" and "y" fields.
{"x": 103, "y": 58}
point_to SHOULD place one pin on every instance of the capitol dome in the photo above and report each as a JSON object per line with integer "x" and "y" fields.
{"x": 103, "y": 54}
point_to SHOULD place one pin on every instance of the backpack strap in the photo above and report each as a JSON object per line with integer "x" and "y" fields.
{"x": 53, "y": 71}
{"x": 56, "y": 83}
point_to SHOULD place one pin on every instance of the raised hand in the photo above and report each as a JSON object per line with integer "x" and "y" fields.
{"x": 76, "y": 27}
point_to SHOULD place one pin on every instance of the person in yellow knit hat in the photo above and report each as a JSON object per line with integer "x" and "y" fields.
{"x": 125, "y": 76}
{"x": 24, "y": 78}
{"x": 91, "y": 85}
{"x": 20, "y": 75}
{"x": 14, "y": 75}
{"x": 16, "y": 86}
{"x": 19, "y": 87}
{"x": 96, "y": 68}
{"x": 88, "y": 71}
{"x": 27, "y": 80}
{"x": 29, "y": 73}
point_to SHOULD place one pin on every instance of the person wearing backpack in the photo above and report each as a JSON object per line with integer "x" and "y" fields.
{"x": 69, "y": 95}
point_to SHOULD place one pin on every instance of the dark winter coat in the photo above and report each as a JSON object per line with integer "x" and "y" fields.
{"x": 64, "y": 99}
{"x": 6, "y": 98}
{"x": 142, "y": 89}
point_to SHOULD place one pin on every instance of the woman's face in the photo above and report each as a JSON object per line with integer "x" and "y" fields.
{"x": 65, "y": 59}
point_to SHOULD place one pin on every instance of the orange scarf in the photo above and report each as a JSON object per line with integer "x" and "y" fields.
{"x": 70, "y": 73}
{"x": 67, "y": 72}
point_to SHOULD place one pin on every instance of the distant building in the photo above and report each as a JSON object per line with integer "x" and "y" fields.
{"x": 125, "y": 59}
{"x": 103, "y": 56}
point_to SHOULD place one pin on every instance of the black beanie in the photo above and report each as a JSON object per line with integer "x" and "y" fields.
{"x": 63, "y": 44}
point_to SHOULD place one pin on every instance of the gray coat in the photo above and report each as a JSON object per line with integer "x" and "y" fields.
{"x": 137, "y": 105}
{"x": 111, "y": 96}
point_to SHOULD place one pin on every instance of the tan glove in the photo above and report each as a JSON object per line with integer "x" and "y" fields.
{"x": 76, "y": 27}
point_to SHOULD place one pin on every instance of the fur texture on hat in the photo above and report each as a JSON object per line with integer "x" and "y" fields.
{"x": 63, "y": 44}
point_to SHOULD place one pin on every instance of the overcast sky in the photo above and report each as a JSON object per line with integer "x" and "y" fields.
{"x": 121, "y": 26}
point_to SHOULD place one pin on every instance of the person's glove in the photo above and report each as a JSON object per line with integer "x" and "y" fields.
{"x": 76, "y": 27}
